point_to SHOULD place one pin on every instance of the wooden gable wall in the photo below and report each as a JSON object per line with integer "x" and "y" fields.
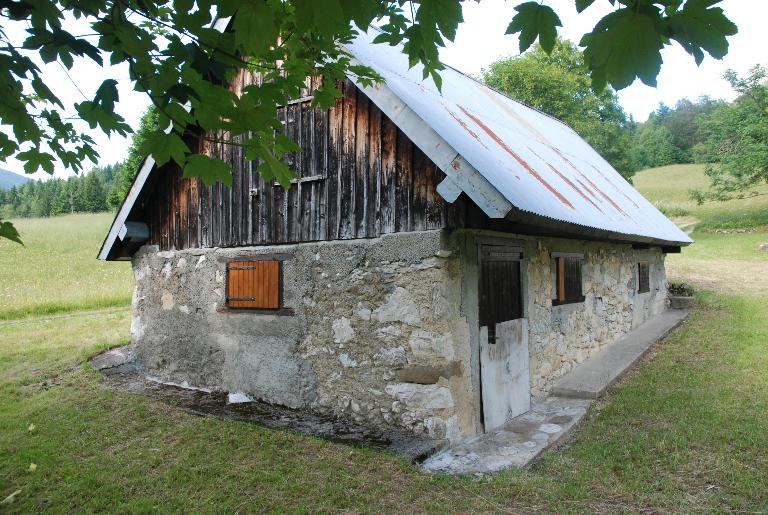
{"x": 358, "y": 176}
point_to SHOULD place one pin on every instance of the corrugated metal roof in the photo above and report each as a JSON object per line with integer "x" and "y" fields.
{"x": 539, "y": 164}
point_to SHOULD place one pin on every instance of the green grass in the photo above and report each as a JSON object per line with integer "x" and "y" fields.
{"x": 56, "y": 270}
{"x": 725, "y": 263}
{"x": 686, "y": 432}
{"x": 668, "y": 186}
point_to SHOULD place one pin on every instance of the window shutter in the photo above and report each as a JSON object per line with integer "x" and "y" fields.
{"x": 253, "y": 284}
{"x": 573, "y": 278}
{"x": 567, "y": 279}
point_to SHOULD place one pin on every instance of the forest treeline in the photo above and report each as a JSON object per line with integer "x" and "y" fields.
{"x": 731, "y": 138}
{"x": 101, "y": 189}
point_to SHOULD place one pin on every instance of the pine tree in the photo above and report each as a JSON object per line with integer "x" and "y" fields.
{"x": 93, "y": 197}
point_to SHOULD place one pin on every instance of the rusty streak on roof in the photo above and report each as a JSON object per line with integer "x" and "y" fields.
{"x": 519, "y": 159}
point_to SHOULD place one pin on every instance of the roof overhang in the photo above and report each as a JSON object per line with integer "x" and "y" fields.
{"x": 122, "y": 234}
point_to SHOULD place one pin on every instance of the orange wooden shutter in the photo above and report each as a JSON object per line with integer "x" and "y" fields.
{"x": 253, "y": 284}
{"x": 560, "y": 279}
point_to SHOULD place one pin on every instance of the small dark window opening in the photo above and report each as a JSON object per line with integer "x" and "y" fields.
{"x": 567, "y": 280}
{"x": 643, "y": 278}
{"x": 500, "y": 286}
{"x": 254, "y": 285}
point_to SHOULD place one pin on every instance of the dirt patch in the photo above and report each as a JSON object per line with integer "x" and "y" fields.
{"x": 722, "y": 276}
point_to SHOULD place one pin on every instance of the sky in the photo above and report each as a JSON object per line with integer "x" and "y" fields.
{"x": 480, "y": 41}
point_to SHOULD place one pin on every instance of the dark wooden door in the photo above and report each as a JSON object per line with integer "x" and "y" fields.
{"x": 500, "y": 286}
{"x": 504, "y": 370}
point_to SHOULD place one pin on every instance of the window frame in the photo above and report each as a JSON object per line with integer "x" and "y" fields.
{"x": 639, "y": 276}
{"x": 280, "y": 310}
{"x": 558, "y": 260}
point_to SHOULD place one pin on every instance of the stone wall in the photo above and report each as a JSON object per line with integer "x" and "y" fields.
{"x": 382, "y": 331}
{"x": 563, "y": 336}
{"x": 376, "y": 334}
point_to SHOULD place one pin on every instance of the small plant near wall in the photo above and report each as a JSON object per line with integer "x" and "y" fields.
{"x": 680, "y": 295}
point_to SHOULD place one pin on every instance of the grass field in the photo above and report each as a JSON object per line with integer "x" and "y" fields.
{"x": 685, "y": 432}
{"x": 668, "y": 186}
{"x": 56, "y": 269}
{"x": 728, "y": 263}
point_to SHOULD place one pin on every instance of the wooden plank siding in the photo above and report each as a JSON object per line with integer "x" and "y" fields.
{"x": 357, "y": 176}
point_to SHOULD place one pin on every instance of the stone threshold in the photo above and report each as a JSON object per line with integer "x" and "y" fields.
{"x": 516, "y": 443}
{"x": 522, "y": 439}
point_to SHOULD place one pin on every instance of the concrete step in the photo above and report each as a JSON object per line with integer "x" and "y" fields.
{"x": 516, "y": 443}
{"x": 591, "y": 379}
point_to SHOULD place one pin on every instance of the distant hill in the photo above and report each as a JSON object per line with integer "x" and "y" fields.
{"x": 9, "y": 179}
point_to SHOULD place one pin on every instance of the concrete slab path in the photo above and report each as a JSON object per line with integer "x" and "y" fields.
{"x": 515, "y": 443}
{"x": 591, "y": 379}
{"x": 519, "y": 441}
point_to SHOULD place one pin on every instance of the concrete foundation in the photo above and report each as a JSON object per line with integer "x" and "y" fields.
{"x": 379, "y": 331}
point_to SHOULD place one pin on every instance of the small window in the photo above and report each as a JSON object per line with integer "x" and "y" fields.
{"x": 254, "y": 284}
{"x": 643, "y": 277}
{"x": 567, "y": 279}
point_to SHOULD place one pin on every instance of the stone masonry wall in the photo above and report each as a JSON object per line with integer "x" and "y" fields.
{"x": 376, "y": 335}
{"x": 381, "y": 331}
{"x": 563, "y": 336}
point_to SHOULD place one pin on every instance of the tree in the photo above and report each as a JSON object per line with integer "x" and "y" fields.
{"x": 176, "y": 55}
{"x": 737, "y": 139}
{"x": 671, "y": 133}
{"x": 654, "y": 146}
{"x": 558, "y": 83}
{"x": 94, "y": 198}
{"x": 128, "y": 170}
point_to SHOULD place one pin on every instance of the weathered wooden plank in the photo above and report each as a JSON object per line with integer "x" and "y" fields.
{"x": 435, "y": 216}
{"x": 205, "y": 215}
{"x": 347, "y": 172}
{"x": 293, "y": 210}
{"x": 374, "y": 172}
{"x": 388, "y": 182}
{"x": 227, "y": 228}
{"x": 333, "y": 168}
{"x": 194, "y": 212}
{"x": 403, "y": 191}
{"x": 167, "y": 208}
{"x": 360, "y": 182}
{"x": 237, "y": 186}
{"x": 419, "y": 198}
{"x": 182, "y": 239}
{"x": 321, "y": 167}
{"x": 215, "y": 214}
{"x": 246, "y": 224}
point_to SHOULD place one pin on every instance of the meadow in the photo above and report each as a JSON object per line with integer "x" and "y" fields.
{"x": 685, "y": 431}
{"x": 668, "y": 187}
{"x": 723, "y": 258}
{"x": 56, "y": 269}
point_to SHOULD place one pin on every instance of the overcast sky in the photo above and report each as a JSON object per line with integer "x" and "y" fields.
{"x": 479, "y": 42}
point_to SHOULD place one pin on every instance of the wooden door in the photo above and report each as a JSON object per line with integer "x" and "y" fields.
{"x": 504, "y": 370}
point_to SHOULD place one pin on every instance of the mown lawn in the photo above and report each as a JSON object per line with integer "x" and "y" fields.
{"x": 688, "y": 431}
{"x": 727, "y": 263}
{"x": 56, "y": 270}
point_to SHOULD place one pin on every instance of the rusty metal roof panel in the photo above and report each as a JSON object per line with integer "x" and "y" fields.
{"x": 539, "y": 164}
